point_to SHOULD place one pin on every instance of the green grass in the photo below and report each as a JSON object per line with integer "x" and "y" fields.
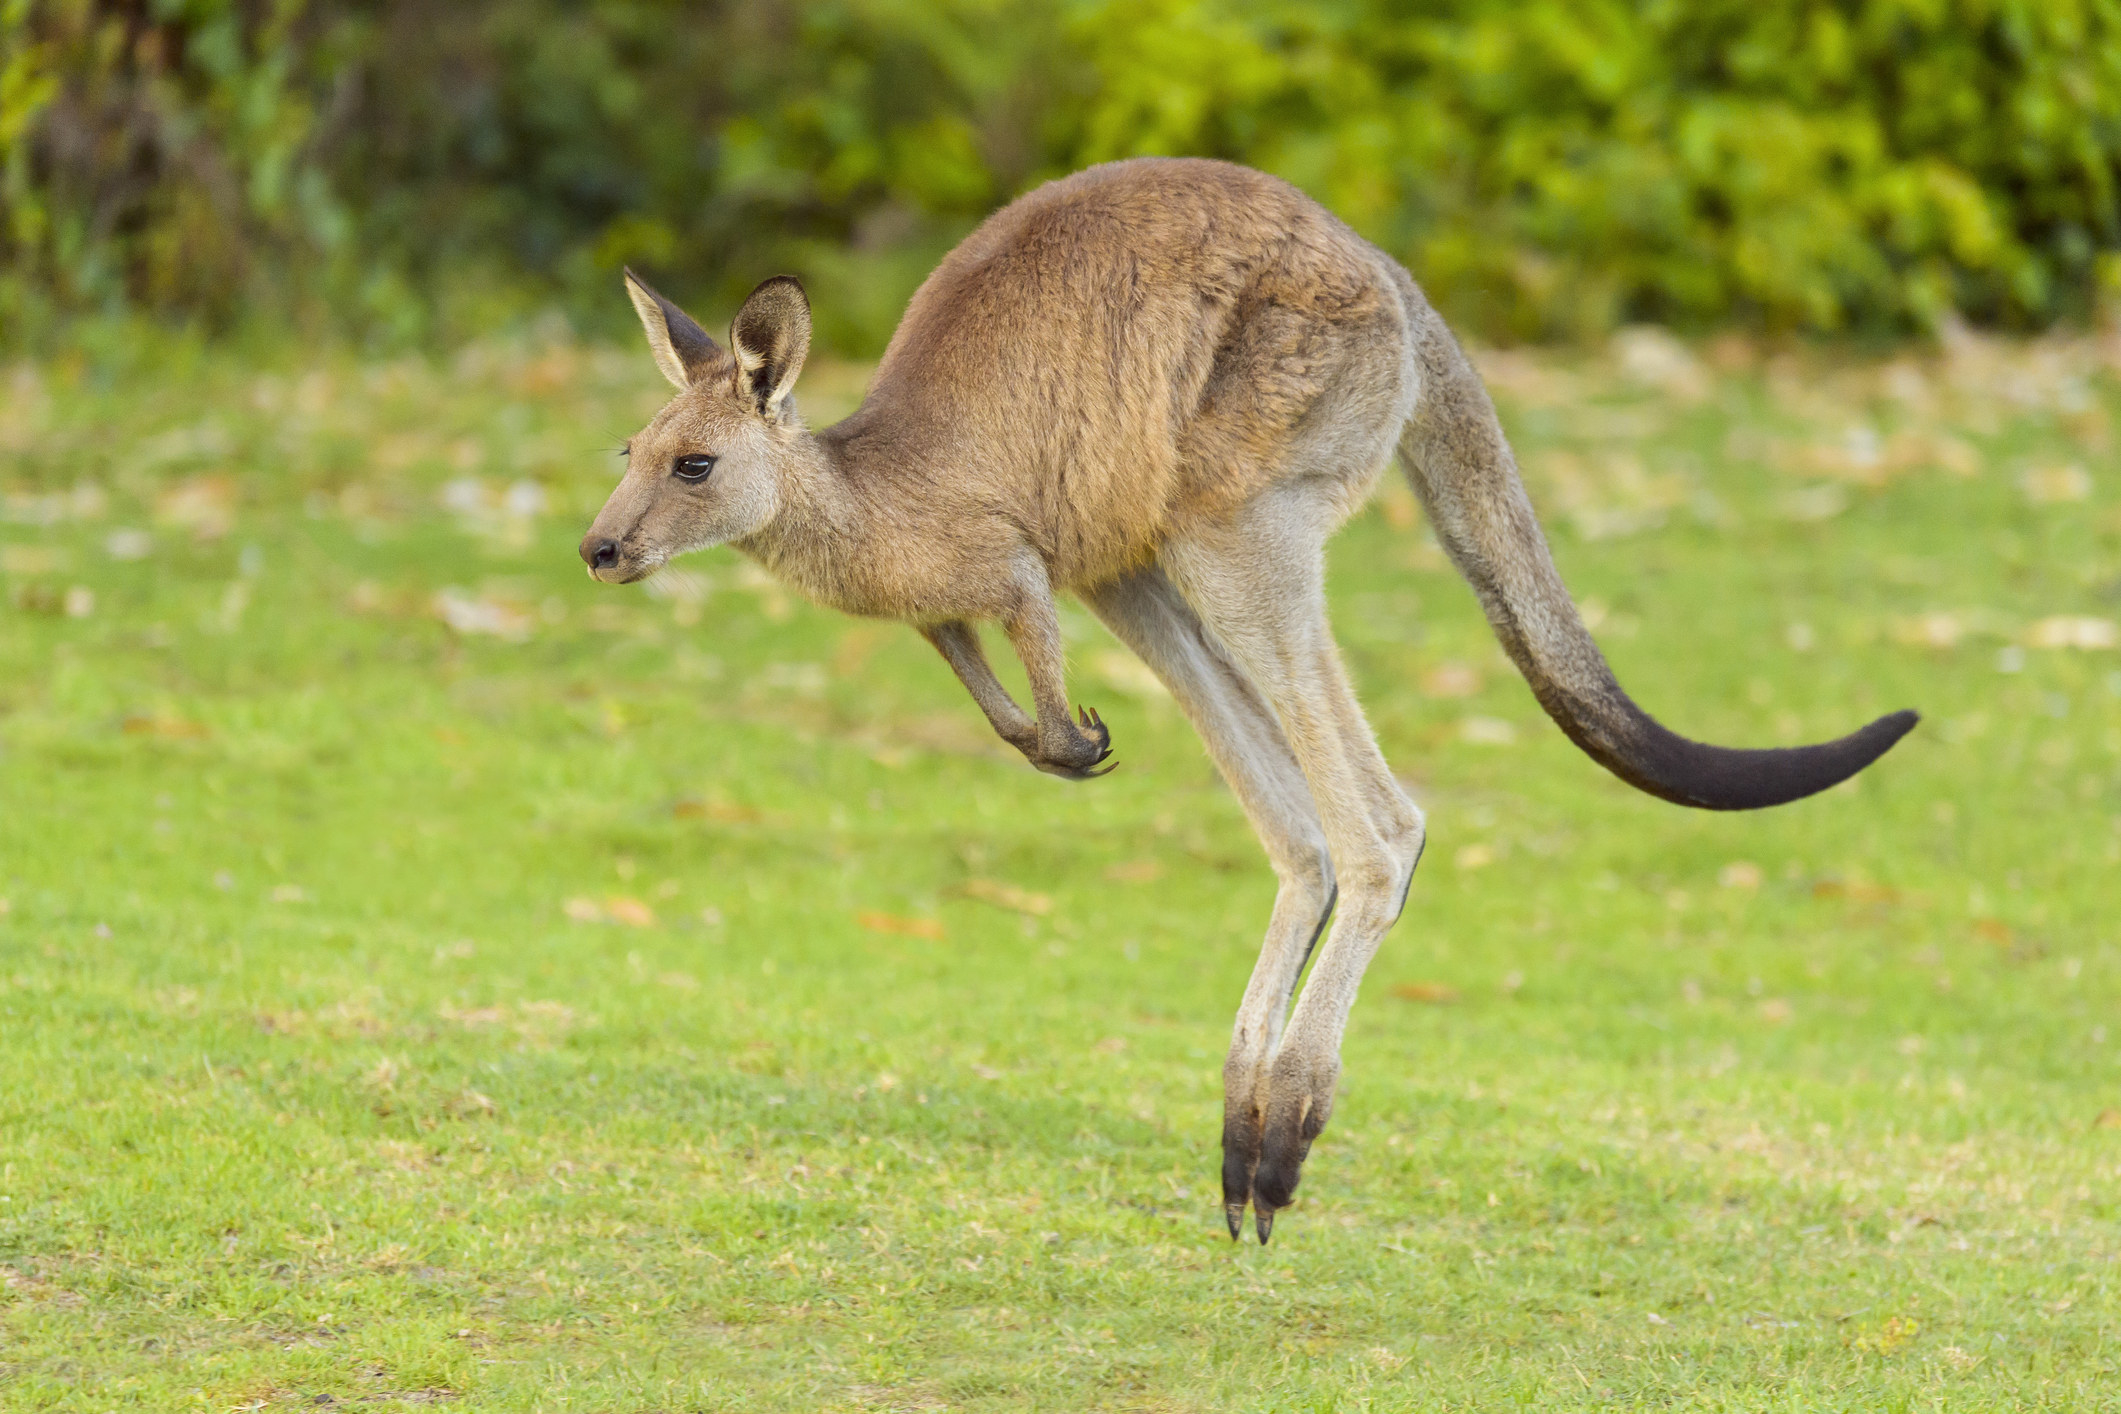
{"x": 311, "y": 1086}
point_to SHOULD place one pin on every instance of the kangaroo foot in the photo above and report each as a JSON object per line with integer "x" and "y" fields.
{"x": 1242, "y": 1125}
{"x": 1071, "y": 750}
{"x": 1267, "y": 1138}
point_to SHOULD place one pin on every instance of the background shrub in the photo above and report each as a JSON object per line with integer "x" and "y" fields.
{"x": 1546, "y": 167}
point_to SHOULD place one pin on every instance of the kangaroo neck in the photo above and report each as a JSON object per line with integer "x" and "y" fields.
{"x": 821, "y": 538}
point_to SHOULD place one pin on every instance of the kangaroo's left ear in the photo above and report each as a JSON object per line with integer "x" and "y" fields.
{"x": 770, "y": 338}
{"x": 681, "y": 347}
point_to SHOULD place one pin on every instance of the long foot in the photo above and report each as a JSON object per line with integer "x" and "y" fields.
{"x": 1266, "y": 1141}
{"x": 1240, "y": 1157}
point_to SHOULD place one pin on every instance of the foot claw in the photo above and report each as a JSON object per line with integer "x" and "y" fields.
{"x": 1263, "y": 1219}
{"x": 1234, "y": 1214}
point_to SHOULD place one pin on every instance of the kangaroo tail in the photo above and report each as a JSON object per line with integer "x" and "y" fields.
{"x": 1461, "y": 468}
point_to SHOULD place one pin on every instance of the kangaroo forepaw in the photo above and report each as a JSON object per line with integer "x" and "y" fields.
{"x": 1078, "y": 757}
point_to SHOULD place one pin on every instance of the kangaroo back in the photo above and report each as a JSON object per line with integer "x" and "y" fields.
{"x": 1461, "y": 468}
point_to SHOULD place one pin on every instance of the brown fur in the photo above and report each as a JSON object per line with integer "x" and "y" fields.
{"x": 1161, "y": 385}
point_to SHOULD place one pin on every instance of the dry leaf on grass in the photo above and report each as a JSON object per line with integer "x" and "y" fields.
{"x": 2074, "y": 631}
{"x": 1486, "y": 731}
{"x": 1994, "y": 930}
{"x": 33, "y": 559}
{"x": 1739, "y": 874}
{"x": 468, "y": 613}
{"x": 1434, "y": 993}
{"x": 893, "y": 923}
{"x": 204, "y": 505}
{"x": 2055, "y": 485}
{"x": 1888, "y": 1338}
{"x": 616, "y": 909}
{"x": 629, "y": 911}
{"x": 1937, "y": 629}
{"x": 1007, "y": 896}
{"x": 720, "y": 811}
{"x": 1855, "y": 890}
{"x": 1451, "y": 680}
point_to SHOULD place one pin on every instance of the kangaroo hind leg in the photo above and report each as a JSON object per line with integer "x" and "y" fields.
{"x": 1257, "y": 583}
{"x": 1146, "y": 612}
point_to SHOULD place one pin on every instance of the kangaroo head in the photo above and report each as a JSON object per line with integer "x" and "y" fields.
{"x": 712, "y": 465}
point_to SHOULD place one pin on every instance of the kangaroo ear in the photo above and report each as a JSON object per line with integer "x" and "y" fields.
{"x": 770, "y": 338}
{"x": 683, "y": 350}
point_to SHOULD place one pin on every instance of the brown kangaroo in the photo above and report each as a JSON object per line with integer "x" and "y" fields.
{"x": 1161, "y": 385}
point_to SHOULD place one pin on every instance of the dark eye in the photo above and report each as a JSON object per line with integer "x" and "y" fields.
{"x": 692, "y": 468}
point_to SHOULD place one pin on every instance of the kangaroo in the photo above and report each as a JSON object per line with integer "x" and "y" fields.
{"x": 1161, "y": 385}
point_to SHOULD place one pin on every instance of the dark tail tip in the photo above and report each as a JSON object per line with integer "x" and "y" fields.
{"x": 1720, "y": 778}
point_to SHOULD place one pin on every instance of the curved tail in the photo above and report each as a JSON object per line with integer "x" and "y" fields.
{"x": 1461, "y": 468}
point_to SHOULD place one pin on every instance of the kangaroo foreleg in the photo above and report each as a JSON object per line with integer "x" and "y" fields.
{"x": 1064, "y": 746}
{"x": 959, "y": 644}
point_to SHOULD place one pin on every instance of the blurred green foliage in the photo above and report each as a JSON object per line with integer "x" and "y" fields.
{"x": 1546, "y": 167}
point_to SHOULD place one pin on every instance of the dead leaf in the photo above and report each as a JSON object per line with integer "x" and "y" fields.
{"x": 1896, "y": 1332}
{"x": 467, "y": 613}
{"x": 1451, "y": 680}
{"x": 930, "y": 928}
{"x": 629, "y": 911}
{"x": 720, "y": 811}
{"x": 1994, "y": 930}
{"x": 1434, "y": 993}
{"x": 1486, "y": 731}
{"x": 2108, "y": 1119}
{"x": 1932, "y": 630}
{"x": 1007, "y": 896}
{"x": 204, "y": 505}
{"x": 1739, "y": 874}
{"x": 2053, "y": 485}
{"x": 33, "y": 559}
{"x": 1855, "y": 890}
{"x": 2074, "y": 631}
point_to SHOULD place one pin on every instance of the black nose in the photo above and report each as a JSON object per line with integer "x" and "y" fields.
{"x": 601, "y": 553}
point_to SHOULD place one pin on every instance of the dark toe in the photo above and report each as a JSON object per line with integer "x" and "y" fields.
{"x": 1285, "y": 1142}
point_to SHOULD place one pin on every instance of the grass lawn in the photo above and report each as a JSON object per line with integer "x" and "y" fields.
{"x": 427, "y": 975}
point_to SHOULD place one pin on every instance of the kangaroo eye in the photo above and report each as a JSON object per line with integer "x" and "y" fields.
{"x": 693, "y": 468}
